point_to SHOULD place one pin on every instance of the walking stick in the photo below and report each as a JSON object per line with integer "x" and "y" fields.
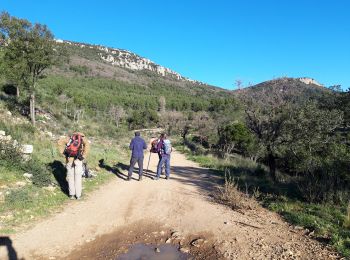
{"x": 149, "y": 158}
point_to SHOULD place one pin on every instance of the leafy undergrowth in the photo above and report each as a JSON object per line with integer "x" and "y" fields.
{"x": 326, "y": 222}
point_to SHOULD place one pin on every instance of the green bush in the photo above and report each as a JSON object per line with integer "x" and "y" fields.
{"x": 9, "y": 155}
{"x": 41, "y": 175}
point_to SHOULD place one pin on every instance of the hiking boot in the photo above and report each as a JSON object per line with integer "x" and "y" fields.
{"x": 140, "y": 178}
{"x": 156, "y": 178}
{"x": 78, "y": 198}
{"x": 167, "y": 177}
{"x": 128, "y": 179}
{"x": 72, "y": 197}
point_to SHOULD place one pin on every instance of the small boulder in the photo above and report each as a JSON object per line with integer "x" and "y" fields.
{"x": 27, "y": 175}
{"x": 157, "y": 250}
{"x": 15, "y": 143}
{"x": 27, "y": 149}
{"x": 2, "y": 133}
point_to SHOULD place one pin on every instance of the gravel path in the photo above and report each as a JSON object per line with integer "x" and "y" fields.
{"x": 182, "y": 203}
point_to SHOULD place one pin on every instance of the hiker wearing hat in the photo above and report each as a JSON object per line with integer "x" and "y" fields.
{"x": 137, "y": 145}
{"x": 75, "y": 149}
{"x": 164, "y": 149}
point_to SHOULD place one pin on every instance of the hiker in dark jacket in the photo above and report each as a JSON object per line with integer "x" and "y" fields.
{"x": 137, "y": 145}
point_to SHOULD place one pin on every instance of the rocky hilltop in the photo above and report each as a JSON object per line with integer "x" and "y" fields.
{"x": 126, "y": 59}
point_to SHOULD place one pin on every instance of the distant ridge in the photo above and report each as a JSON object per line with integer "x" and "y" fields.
{"x": 129, "y": 60}
{"x": 288, "y": 87}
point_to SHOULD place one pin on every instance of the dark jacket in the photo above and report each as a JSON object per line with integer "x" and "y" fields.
{"x": 137, "y": 145}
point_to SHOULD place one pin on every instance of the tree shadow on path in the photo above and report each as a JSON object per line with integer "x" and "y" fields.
{"x": 205, "y": 180}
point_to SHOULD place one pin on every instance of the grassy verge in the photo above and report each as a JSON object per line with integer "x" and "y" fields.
{"x": 325, "y": 222}
{"x": 22, "y": 202}
{"x": 25, "y": 200}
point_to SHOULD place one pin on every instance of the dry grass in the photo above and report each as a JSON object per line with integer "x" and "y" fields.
{"x": 231, "y": 196}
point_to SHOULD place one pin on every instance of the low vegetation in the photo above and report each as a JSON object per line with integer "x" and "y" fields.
{"x": 35, "y": 187}
{"x": 230, "y": 194}
{"x": 245, "y": 179}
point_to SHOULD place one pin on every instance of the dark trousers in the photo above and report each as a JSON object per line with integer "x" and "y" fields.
{"x": 139, "y": 161}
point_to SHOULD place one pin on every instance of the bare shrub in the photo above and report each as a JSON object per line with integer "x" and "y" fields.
{"x": 231, "y": 195}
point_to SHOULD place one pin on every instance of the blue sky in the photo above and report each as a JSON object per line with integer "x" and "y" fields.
{"x": 216, "y": 42}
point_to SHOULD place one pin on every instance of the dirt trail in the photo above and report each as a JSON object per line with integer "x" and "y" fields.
{"x": 182, "y": 204}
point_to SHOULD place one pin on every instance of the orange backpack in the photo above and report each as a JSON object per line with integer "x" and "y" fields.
{"x": 73, "y": 147}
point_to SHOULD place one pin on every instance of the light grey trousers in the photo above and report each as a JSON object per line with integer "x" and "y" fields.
{"x": 74, "y": 176}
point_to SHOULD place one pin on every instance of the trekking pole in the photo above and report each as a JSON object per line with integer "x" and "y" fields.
{"x": 149, "y": 158}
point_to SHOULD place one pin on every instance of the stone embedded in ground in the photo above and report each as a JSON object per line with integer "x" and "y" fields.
{"x": 298, "y": 228}
{"x": 184, "y": 250}
{"x": 2, "y": 133}
{"x": 157, "y": 250}
{"x": 176, "y": 234}
{"x": 5, "y": 137}
{"x": 168, "y": 241}
{"x": 197, "y": 242}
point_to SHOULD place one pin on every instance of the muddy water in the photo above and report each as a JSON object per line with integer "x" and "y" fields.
{"x": 147, "y": 252}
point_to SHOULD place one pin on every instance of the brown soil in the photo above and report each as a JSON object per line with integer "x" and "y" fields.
{"x": 121, "y": 213}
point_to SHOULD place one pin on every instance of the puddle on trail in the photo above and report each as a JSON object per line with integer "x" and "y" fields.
{"x": 148, "y": 252}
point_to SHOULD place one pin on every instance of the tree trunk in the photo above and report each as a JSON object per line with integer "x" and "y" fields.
{"x": 272, "y": 166}
{"x": 32, "y": 108}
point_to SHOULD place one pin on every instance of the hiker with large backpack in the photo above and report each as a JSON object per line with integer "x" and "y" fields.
{"x": 164, "y": 149}
{"x": 137, "y": 145}
{"x": 75, "y": 149}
